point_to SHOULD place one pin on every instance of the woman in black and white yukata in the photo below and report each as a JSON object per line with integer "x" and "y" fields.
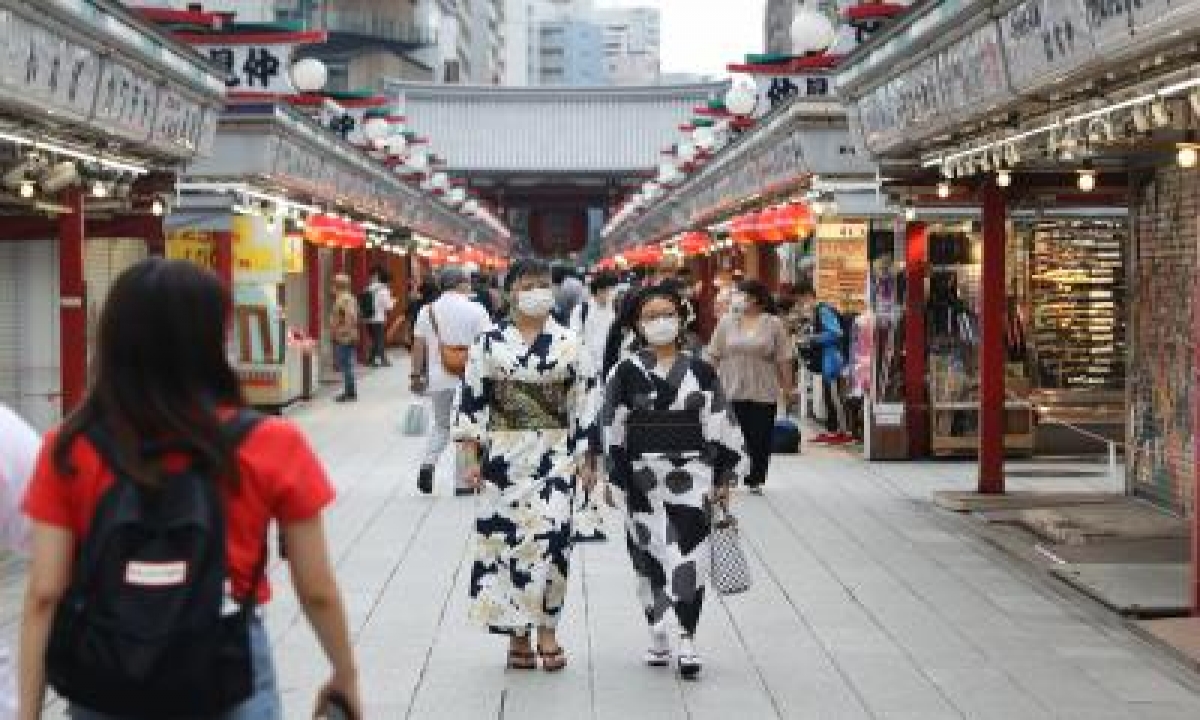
{"x": 673, "y": 449}
{"x": 527, "y": 418}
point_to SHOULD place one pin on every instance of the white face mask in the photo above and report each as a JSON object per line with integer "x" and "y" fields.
{"x": 535, "y": 303}
{"x": 661, "y": 331}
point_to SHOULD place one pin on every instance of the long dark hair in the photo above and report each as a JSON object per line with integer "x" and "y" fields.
{"x": 626, "y": 319}
{"x": 160, "y": 369}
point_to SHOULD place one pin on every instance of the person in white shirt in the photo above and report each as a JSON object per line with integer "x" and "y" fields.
{"x": 383, "y": 304}
{"x": 452, "y": 321}
{"x": 19, "y": 445}
{"x": 594, "y": 317}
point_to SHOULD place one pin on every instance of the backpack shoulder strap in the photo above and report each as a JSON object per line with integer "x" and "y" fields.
{"x": 434, "y": 323}
{"x": 237, "y": 428}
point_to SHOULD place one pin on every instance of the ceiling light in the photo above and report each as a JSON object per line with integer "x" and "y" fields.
{"x": 943, "y": 190}
{"x": 1187, "y": 156}
{"x": 1004, "y": 178}
{"x": 99, "y": 189}
{"x": 910, "y": 213}
{"x": 158, "y": 207}
{"x": 27, "y": 189}
{"x": 1087, "y": 180}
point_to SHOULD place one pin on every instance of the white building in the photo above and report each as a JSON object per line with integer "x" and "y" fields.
{"x": 632, "y": 42}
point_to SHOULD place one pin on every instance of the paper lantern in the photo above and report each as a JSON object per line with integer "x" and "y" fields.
{"x": 742, "y": 98}
{"x": 309, "y": 75}
{"x": 812, "y": 31}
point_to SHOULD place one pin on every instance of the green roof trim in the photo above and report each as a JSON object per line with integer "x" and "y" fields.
{"x": 768, "y": 58}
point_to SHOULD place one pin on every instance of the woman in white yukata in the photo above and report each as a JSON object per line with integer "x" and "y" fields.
{"x": 673, "y": 449}
{"x": 527, "y": 415}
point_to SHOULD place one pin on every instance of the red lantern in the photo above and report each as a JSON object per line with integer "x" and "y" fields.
{"x": 773, "y": 226}
{"x": 801, "y": 221}
{"x": 694, "y": 243}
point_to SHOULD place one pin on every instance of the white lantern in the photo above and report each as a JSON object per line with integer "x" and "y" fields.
{"x": 470, "y": 207}
{"x": 309, "y": 75}
{"x": 705, "y": 138}
{"x": 397, "y": 144}
{"x": 456, "y": 196}
{"x": 812, "y": 31}
{"x": 427, "y": 184}
{"x": 440, "y": 181}
{"x": 742, "y": 98}
{"x": 686, "y": 152}
{"x": 376, "y": 129}
{"x": 418, "y": 160}
{"x": 667, "y": 172}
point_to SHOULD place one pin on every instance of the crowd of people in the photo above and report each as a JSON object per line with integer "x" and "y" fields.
{"x": 148, "y": 512}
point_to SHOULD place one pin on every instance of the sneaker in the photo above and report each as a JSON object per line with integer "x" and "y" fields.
{"x": 659, "y": 652}
{"x": 425, "y": 479}
{"x": 688, "y": 659}
{"x": 755, "y": 489}
{"x": 824, "y": 438}
{"x": 345, "y": 397}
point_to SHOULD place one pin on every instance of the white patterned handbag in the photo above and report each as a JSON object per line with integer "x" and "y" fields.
{"x": 730, "y": 569}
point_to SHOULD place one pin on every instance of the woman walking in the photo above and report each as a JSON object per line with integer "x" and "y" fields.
{"x": 673, "y": 450}
{"x": 151, "y": 507}
{"x": 526, "y": 416}
{"x": 754, "y": 355}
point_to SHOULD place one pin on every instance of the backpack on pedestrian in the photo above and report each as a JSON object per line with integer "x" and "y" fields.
{"x": 146, "y": 628}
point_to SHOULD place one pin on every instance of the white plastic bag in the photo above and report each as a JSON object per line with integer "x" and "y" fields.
{"x": 414, "y": 422}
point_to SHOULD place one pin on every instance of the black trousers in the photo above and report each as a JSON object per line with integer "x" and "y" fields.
{"x": 377, "y": 344}
{"x": 757, "y": 421}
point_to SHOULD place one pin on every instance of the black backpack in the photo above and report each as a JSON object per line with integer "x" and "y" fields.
{"x": 366, "y": 305}
{"x": 141, "y": 631}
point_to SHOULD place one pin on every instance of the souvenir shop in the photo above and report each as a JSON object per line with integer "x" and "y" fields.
{"x": 1084, "y": 234}
{"x": 310, "y": 206}
{"x": 98, "y": 110}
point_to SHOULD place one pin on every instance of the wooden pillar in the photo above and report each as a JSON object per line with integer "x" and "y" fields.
{"x": 993, "y": 302}
{"x": 916, "y": 390}
{"x": 73, "y": 350}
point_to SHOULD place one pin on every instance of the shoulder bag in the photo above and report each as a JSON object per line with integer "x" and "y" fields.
{"x": 454, "y": 357}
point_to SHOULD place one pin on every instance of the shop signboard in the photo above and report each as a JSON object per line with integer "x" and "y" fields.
{"x": 1045, "y": 39}
{"x": 293, "y": 253}
{"x": 257, "y": 250}
{"x": 127, "y": 101}
{"x": 257, "y": 67}
{"x": 39, "y": 65}
{"x": 777, "y": 90}
{"x": 179, "y": 123}
{"x": 197, "y": 246}
{"x": 297, "y": 165}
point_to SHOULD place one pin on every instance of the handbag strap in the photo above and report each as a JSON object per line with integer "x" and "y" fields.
{"x": 433, "y": 322}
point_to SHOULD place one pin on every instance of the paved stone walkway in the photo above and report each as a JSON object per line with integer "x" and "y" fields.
{"x": 869, "y": 603}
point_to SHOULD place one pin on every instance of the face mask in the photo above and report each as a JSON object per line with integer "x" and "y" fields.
{"x": 661, "y": 331}
{"x": 535, "y": 303}
{"x": 738, "y": 304}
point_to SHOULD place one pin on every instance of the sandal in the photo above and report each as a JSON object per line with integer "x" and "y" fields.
{"x": 553, "y": 660}
{"x": 522, "y": 660}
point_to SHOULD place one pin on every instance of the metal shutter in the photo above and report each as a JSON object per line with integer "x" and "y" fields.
{"x": 103, "y": 260}
{"x": 30, "y": 376}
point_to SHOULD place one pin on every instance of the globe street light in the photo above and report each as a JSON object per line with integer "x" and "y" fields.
{"x": 309, "y": 75}
{"x": 812, "y": 31}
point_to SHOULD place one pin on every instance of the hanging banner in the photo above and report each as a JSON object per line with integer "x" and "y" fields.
{"x": 196, "y": 246}
{"x": 260, "y": 67}
{"x": 1045, "y": 39}
{"x": 257, "y": 250}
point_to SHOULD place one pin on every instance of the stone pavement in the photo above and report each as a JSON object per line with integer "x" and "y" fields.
{"x": 869, "y": 603}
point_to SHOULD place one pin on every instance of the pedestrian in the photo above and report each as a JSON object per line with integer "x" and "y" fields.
{"x": 18, "y": 452}
{"x": 382, "y": 302}
{"x": 343, "y": 327}
{"x": 823, "y": 345}
{"x": 754, "y": 355}
{"x": 623, "y": 339}
{"x": 527, "y": 419}
{"x": 445, "y": 330}
{"x": 594, "y": 317}
{"x": 673, "y": 449}
{"x": 164, "y": 439}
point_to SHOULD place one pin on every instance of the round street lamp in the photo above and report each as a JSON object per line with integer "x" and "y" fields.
{"x": 376, "y": 129}
{"x": 742, "y": 98}
{"x": 309, "y": 75}
{"x": 812, "y": 31}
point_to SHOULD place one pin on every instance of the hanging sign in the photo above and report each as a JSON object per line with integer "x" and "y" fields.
{"x": 257, "y": 68}
{"x": 257, "y": 250}
{"x": 128, "y": 100}
{"x": 776, "y": 90}
{"x": 1045, "y": 39}
{"x": 293, "y": 253}
{"x": 196, "y": 246}
{"x": 180, "y": 122}
{"x": 41, "y": 66}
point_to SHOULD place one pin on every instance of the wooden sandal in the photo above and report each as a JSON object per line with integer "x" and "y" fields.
{"x": 522, "y": 660}
{"x": 553, "y": 660}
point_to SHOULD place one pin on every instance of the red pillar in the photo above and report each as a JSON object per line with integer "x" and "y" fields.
{"x": 993, "y": 301}
{"x": 223, "y": 257}
{"x": 916, "y": 391}
{"x": 358, "y": 281}
{"x": 73, "y": 301}
{"x": 312, "y": 269}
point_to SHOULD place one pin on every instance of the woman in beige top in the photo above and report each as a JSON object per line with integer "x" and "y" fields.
{"x": 754, "y": 357}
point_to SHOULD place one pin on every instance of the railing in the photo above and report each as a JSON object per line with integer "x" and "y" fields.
{"x": 379, "y": 25}
{"x": 1114, "y": 471}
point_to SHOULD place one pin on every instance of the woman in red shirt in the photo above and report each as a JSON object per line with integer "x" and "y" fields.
{"x": 162, "y": 375}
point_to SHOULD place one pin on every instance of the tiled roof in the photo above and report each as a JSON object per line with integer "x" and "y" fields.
{"x": 550, "y": 129}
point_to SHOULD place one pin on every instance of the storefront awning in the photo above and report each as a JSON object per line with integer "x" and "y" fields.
{"x": 88, "y": 73}
{"x": 281, "y": 150}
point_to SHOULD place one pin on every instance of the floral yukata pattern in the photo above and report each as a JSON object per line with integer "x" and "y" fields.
{"x": 668, "y": 497}
{"x": 531, "y": 408}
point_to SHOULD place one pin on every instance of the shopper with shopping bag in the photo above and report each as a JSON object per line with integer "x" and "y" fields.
{"x": 672, "y": 450}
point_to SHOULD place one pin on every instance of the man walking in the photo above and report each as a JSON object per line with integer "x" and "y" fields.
{"x": 343, "y": 327}
{"x": 381, "y": 305}
{"x": 445, "y": 329}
